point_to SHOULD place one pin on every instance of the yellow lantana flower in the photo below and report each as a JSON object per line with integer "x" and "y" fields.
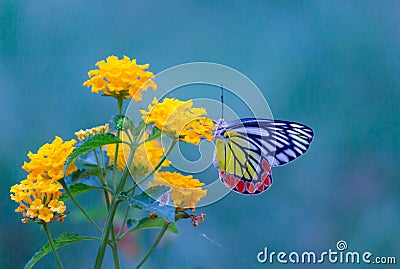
{"x": 146, "y": 157}
{"x": 36, "y": 205}
{"x": 120, "y": 78}
{"x": 38, "y": 194}
{"x": 179, "y": 119}
{"x": 45, "y": 214}
{"x": 82, "y": 134}
{"x": 57, "y": 206}
{"x": 186, "y": 191}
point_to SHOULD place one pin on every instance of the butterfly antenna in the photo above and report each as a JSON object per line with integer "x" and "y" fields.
{"x": 222, "y": 101}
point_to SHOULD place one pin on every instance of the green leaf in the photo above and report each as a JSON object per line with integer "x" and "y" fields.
{"x": 85, "y": 173}
{"x": 148, "y": 223}
{"x": 90, "y": 143}
{"x": 146, "y": 202}
{"x": 76, "y": 190}
{"x": 91, "y": 160}
{"x": 61, "y": 241}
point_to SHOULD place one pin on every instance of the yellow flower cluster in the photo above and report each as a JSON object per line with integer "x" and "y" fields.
{"x": 185, "y": 190}
{"x": 146, "y": 157}
{"x": 120, "y": 78}
{"x": 82, "y": 134}
{"x": 179, "y": 119}
{"x": 38, "y": 194}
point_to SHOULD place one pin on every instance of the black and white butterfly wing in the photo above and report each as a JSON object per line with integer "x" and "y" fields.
{"x": 247, "y": 148}
{"x": 280, "y": 141}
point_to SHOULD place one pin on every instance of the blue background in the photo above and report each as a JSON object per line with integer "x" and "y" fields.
{"x": 333, "y": 65}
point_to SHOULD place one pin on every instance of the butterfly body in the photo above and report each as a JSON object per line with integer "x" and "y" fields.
{"x": 246, "y": 149}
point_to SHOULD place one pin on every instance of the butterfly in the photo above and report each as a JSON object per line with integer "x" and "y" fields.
{"x": 246, "y": 149}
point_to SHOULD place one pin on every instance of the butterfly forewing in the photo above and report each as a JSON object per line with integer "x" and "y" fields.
{"x": 280, "y": 142}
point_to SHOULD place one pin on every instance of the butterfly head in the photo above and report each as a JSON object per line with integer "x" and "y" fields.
{"x": 221, "y": 128}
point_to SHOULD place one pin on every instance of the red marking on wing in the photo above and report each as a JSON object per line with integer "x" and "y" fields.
{"x": 240, "y": 186}
{"x": 260, "y": 186}
{"x": 250, "y": 187}
{"x": 266, "y": 179}
{"x": 261, "y": 183}
{"x": 232, "y": 181}
{"x": 266, "y": 166}
{"x": 228, "y": 179}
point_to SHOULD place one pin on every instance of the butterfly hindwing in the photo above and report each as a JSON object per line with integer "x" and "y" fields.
{"x": 241, "y": 164}
{"x": 260, "y": 183}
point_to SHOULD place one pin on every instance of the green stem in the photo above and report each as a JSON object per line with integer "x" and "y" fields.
{"x": 123, "y": 222}
{"x": 158, "y": 239}
{"x": 67, "y": 190}
{"x": 114, "y": 175}
{"x": 119, "y": 237}
{"x": 114, "y": 249}
{"x": 103, "y": 165}
{"x": 119, "y": 100}
{"x": 107, "y": 199}
{"x": 123, "y": 235}
{"x": 97, "y": 157}
{"x": 51, "y": 242}
{"x": 103, "y": 181}
{"x": 106, "y": 232}
{"x": 114, "y": 205}
{"x": 128, "y": 134}
{"x": 110, "y": 218}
